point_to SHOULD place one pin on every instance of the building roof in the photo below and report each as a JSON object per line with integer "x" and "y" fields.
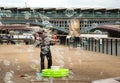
{"x": 113, "y": 10}
{"x": 49, "y": 9}
{"x": 87, "y": 9}
{"x": 61, "y": 9}
{"x": 77, "y": 9}
{"x": 11, "y": 8}
{"x": 24, "y": 9}
{"x": 38, "y": 9}
{"x": 100, "y": 9}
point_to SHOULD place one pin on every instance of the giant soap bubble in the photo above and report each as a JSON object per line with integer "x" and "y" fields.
{"x": 8, "y": 13}
{"x": 85, "y": 21}
{"x": 8, "y": 77}
{"x": 98, "y": 32}
{"x": 69, "y": 12}
{"x": 94, "y": 25}
{"x": 45, "y": 19}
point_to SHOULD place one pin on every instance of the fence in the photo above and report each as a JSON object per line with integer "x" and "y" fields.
{"x": 109, "y": 46}
{"x": 104, "y": 45}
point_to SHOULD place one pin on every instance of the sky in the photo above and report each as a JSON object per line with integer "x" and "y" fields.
{"x": 61, "y": 3}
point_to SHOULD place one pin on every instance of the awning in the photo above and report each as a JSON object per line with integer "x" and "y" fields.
{"x": 15, "y": 27}
{"x": 110, "y": 27}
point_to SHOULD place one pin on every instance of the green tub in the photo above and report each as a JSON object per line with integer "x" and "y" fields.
{"x": 55, "y": 73}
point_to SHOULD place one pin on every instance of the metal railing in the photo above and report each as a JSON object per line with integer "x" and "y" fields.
{"x": 104, "y": 45}
{"x": 59, "y": 15}
{"x": 110, "y": 46}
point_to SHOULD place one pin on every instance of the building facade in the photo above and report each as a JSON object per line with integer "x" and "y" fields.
{"x": 60, "y": 16}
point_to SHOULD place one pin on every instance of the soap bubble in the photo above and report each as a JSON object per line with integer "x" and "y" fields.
{"x": 33, "y": 66}
{"x": 30, "y": 50}
{"x": 71, "y": 73}
{"x": 6, "y": 62}
{"x": 69, "y": 12}
{"x": 85, "y": 21}
{"x": 32, "y": 80}
{"x": 51, "y": 80}
{"x": 71, "y": 46}
{"x": 59, "y": 56}
{"x": 70, "y": 76}
{"x": 71, "y": 64}
{"x": 79, "y": 47}
{"x": 9, "y": 81}
{"x": 8, "y": 77}
{"x": 9, "y": 74}
{"x": 61, "y": 65}
{"x": 98, "y": 32}
{"x": 18, "y": 44}
{"x": 18, "y": 67}
{"x": 80, "y": 15}
{"x": 31, "y": 46}
{"x": 45, "y": 20}
{"x": 36, "y": 20}
{"x": 94, "y": 25}
{"x": 61, "y": 61}
{"x": 16, "y": 60}
{"x": 27, "y": 15}
{"x": 46, "y": 80}
{"x": 38, "y": 76}
{"x": 8, "y": 13}
{"x": 12, "y": 71}
{"x": 101, "y": 73}
{"x": 64, "y": 78}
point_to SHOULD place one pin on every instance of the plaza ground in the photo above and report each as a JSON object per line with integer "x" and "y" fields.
{"x": 84, "y": 66}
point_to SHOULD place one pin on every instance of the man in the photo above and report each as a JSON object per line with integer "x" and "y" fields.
{"x": 45, "y": 49}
